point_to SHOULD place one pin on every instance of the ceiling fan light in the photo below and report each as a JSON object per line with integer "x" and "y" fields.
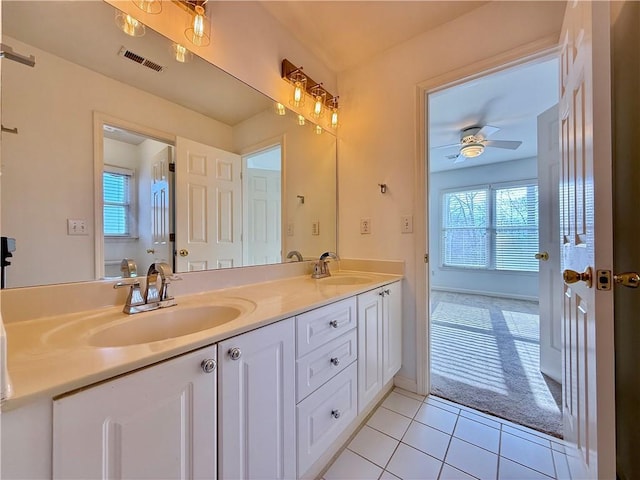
{"x": 472, "y": 150}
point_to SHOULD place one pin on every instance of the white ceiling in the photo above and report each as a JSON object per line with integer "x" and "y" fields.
{"x": 510, "y": 100}
{"x": 346, "y": 33}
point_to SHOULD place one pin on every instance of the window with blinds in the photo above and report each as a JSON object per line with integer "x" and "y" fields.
{"x": 493, "y": 227}
{"x": 117, "y": 187}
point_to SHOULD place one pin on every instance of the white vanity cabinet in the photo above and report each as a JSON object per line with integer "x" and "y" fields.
{"x": 257, "y": 437}
{"x": 327, "y": 378}
{"x": 379, "y": 340}
{"x": 159, "y": 422}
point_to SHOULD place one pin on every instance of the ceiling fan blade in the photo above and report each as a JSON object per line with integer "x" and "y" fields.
{"x": 487, "y": 131}
{"x": 451, "y": 145}
{"x": 508, "y": 144}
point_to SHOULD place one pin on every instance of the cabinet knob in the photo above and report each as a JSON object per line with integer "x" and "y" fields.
{"x": 381, "y": 293}
{"x": 334, "y": 323}
{"x": 335, "y": 361}
{"x": 387, "y": 291}
{"x": 235, "y": 353}
{"x": 335, "y": 413}
{"x": 208, "y": 365}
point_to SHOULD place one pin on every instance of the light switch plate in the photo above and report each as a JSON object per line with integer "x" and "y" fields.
{"x": 315, "y": 228}
{"x": 77, "y": 227}
{"x": 365, "y": 226}
{"x": 406, "y": 225}
{"x": 290, "y": 229}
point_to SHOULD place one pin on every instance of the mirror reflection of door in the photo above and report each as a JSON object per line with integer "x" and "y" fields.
{"x": 262, "y": 206}
{"x": 137, "y": 209}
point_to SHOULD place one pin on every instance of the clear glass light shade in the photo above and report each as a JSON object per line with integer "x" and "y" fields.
{"x": 472, "y": 150}
{"x": 198, "y": 29}
{"x": 319, "y": 97}
{"x": 129, "y": 25}
{"x": 301, "y": 120}
{"x": 334, "y": 117}
{"x": 299, "y": 82}
{"x": 280, "y": 109}
{"x": 149, "y": 6}
{"x": 181, "y": 53}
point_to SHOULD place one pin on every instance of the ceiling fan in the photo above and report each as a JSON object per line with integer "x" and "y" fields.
{"x": 473, "y": 141}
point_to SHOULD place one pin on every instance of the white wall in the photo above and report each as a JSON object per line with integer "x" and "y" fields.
{"x": 52, "y": 105}
{"x": 378, "y": 139}
{"x": 310, "y": 161}
{"x": 515, "y": 284}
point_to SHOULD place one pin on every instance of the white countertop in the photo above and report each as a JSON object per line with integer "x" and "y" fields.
{"x": 50, "y": 356}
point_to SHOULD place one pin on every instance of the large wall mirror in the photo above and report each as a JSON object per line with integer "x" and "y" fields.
{"x": 117, "y": 157}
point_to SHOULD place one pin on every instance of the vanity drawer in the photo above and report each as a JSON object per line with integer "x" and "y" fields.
{"x": 324, "y": 415}
{"x": 317, "y": 367}
{"x": 324, "y": 324}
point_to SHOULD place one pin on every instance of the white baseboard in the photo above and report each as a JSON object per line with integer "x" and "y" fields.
{"x": 486, "y": 294}
{"x": 405, "y": 383}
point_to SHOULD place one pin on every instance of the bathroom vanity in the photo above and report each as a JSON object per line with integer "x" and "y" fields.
{"x": 273, "y": 392}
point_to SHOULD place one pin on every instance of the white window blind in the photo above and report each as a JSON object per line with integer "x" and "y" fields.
{"x": 493, "y": 227}
{"x": 117, "y": 184}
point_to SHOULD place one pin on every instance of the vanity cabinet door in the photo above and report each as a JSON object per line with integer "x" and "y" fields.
{"x": 391, "y": 330}
{"x": 369, "y": 347}
{"x": 159, "y": 422}
{"x": 257, "y": 404}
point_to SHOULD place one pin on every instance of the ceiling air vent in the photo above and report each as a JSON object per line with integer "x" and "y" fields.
{"x": 145, "y": 62}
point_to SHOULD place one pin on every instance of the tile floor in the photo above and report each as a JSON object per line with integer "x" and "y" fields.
{"x": 413, "y": 437}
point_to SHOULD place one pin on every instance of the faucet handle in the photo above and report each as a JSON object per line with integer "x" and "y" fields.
{"x": 131, "y": 283}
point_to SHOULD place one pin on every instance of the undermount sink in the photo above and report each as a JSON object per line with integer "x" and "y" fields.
{"x": 162, "y": 325}
{"x": 345, "y": 280}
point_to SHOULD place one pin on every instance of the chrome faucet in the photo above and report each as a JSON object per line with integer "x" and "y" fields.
{"x": 153, "y": 298}
{"x": 321, "y": 267}
{"x": 295, "y": 253}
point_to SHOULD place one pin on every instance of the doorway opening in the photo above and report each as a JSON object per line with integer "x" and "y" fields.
{"x": 494, "y": 332}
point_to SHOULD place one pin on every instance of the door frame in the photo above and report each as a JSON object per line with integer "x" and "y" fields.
{"x": 538, "y": 50}
{"x": 99, "y": 121}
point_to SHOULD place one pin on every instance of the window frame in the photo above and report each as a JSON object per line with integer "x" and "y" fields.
{"x": 130, "y": 206}
{"x": 491, "y": 229}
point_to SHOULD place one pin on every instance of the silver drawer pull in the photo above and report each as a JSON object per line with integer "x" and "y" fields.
{"x": 334, "y": 323}
{"x": 208, "y": 365}
{"x": 335, "y": 361}
{"x": 335, "y": 413}
{"x": 235, "y": 353}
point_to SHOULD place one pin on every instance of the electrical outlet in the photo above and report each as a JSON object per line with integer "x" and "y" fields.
{"x": 406, "y": 225}
{"x": 77, "y": 227}
{"x": 365, "y": 226}
{"x": 315, "y": 228}
{"x": 290, "y": 229}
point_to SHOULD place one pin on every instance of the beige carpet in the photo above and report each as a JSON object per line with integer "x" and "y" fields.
{"x": 485, "y": 354}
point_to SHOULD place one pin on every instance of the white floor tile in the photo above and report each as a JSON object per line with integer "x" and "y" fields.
{"x": 427, "y": 439}
{"x": 388, "y": 476}
{"x": 562, "y": 465}
{"x": 478, "y": 433}
{"x": 351, "y": 466}
{"x": 409, "y": 394}
{"x": 481, "y": 417}
{"x": 403, "y": 405}
{"x": 509, "y": 470}
{"x": 529, "y": 454}
{"x": 437, "y": 417}
{"x": 532, "y": 437}
{"x": 450, "y": 473}
{"x": 409, "y": 464}
{"x": 444, "y": 404}
{"x": 373, "y": 445}
{"x": 473, "y": 460}
{"x": 389, "y": 422}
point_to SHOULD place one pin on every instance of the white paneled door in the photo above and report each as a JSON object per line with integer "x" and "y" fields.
{"x": 208, "y": 207}
{"x": 586, "y": 239}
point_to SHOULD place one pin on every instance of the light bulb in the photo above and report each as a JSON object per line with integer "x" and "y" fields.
{"x": 319, "y": 130}
{"x": 181, "y": 54}
{"x": 280, "y": 109}
{"x": 198, "y": 22}
{"x": 298, "y": 94}
{"x": 334, "y": 118}
{"x": 198, "y": 28}
{"x": 129, "y": 25}
{"x": 301, "y": 120}
{"x": 317, "y": 108}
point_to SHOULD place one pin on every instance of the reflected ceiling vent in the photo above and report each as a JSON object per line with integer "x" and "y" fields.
{"x": 145, "y": 62}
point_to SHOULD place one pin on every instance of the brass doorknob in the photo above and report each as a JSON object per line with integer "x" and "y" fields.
{"x": 571, "y": 276}
{"x": 544, "y": 256}
{"x": 183, "y": 252}
{"x": 627, "y": 279}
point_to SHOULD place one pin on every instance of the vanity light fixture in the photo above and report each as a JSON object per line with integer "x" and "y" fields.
{"x": 198, "y": 29}
{"x": 129, "y": 25}
{"x": 149, "y": 6}
{"x": 304, "y": 85}
{"x": 181, "y": 53}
